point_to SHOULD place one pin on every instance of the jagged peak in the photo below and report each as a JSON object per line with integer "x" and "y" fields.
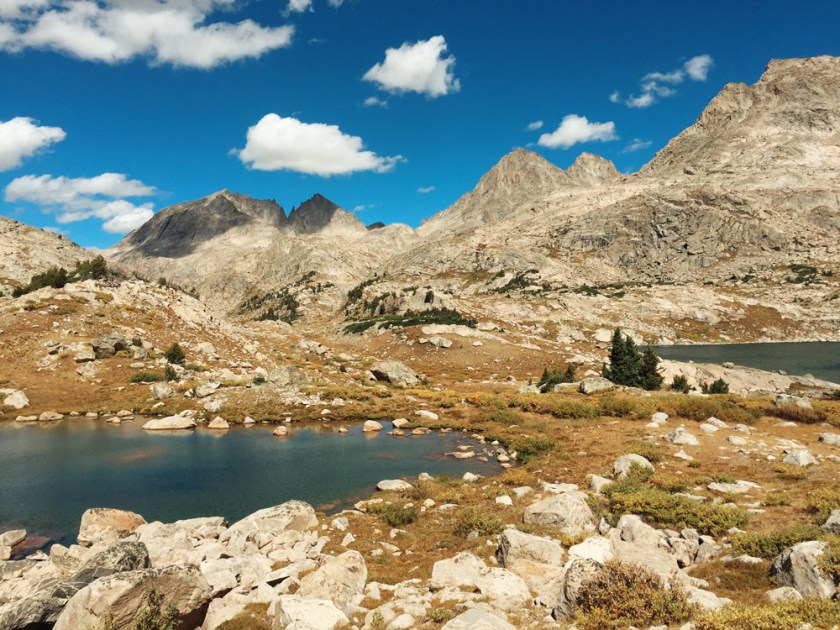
{"x": 318, "y": 212}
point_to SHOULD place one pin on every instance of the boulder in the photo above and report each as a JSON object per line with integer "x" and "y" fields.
{"x": 119, "y": 557}
{"x": 622, "y": 466}
{"x": 800, "y": 457}
{"x": 786, "y": 400}
{"x": 515, "y": 545}
{"x": 293, "y": 611}
{"x": 16, "y": 400}
{"x": 426, "y": 414}
{"x": 340, "y": 580}
{"x": 117, "y": 599}
{"x": 737, "y": 487}
{"x": 50, "y": 416}
{"x": 440, "y": 342}
{"x": 832, "y": 439}
{"x": 595, "y": 548}
{"x": 783, "y": 594}
{"x": 273, "y": 521}
{"x": 170, "y": 423}
{"x": 395, "y": 372}
{"x": 578, "y": 572}
{"x": 660, "y": 417}
{"x": 106, "y": 346}
{"x": 799, "y": 567}
{"x": 105, "y": 525}
{"x": 31, "y": 613}
{"x": 82, "y": 352}
{"x": 399, "y": 423}
{"x": 394, "y": 485}
{"x": 567, "y": 511}
{"x": 218, "y": 424}
{"x": 161, "y": 390}
{"x": 12, "y": 537}
{"x": 462, "y": 570}
{"x": 280, "y": 431}
{"x": 475, "y": 619}
{"x": 371, "y": 426}
{"x": 595, "y": 384}
{"x": 681, "y": 437}
{"x": 832, "y": 524}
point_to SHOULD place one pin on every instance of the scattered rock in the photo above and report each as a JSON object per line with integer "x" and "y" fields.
{"x": 475, "y": 619}
{"x": 341, "y": 580}
{"x": 107, "y": 525}
{"x": 395, "y": 372}
{"x": 161, "y": 391}
{"x": 427, "y": 415}
{"x": 170, "y": 423}
{"x": 296, "y": 612}
{"x": 568, "y": 511}
{"x": 371, "y": 426}
{"x": 280, "y": 431}
{"x": 681, "y": 437}
{"x": 218, "y": 424}
{"x": 515, "y": 545}
{"x": 832, "y": 439}
{"x": 16, "y": 400}
{"x": 394, "y": 485}
{"x": 595, "y": 384}
{"x": 800, "y": 457}
{"x": 622, "y": 466}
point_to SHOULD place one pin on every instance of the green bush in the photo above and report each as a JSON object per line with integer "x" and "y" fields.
{"x": 621, "y": 595}
{"x": 95, "y": 268}
{"x": 770, "y": 544}
{"x": 680, "y": 384}
{"x": 719, "y": 386}
{"x": 506, "y": 417}
{"x": 527, "y": 447}
{"x": 169, "y": 373}
{"x": 699, "y": 409}
{"x": 648, "y": 450}
{"x": 786, "y": 615}
{"x": 154, "y": 616}
{"x": 440, "y": 615}
{"x": 394, "y": 515}
{"x": 175, "y": 354}
{"x": 146, "y": 377}
{"x": 55, "y": 277}
{"x": 473, "y": 520}
{"x": 822, "y": 501}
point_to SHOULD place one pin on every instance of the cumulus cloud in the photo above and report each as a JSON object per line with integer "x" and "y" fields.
{"x": 78, "y": 199}
{"x": 299, "y": 6}
{"x": 23, "y": 137}
{"x": 534, "y": 126}
{"x": 174, "y": 32}
{"x": 576, "y": 129}
{"x": 696, "y": 69}
{"x": 276, "y": 143}
{"x": 424, "y": 190}
{"x": 420, "y": 67}
{"x": 374, "y": 101}
{"x": 636, "y": 144}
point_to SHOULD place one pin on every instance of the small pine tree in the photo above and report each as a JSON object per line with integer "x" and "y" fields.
{"x": 169, "y": 373}
{"x": 680, "y": 384}
{"x": 649, "y": 374}
{"x": 175, "y": 354}
{"x": 625, "y": 361}
{"x": 719, "y": 386}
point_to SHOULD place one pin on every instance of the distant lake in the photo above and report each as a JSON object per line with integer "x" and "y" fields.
{"x": 51, "y": 473}
{"x": 820, "y": 359}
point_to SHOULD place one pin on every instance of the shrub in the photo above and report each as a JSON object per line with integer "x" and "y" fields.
{"x": 680, "y": 384}
{"x": 822, "y": 501}
{"x": 770, "y": 544}
{"x": 153, "y": 617}
{"x": 94, "y": 268}
{"x": 169, "y": 373}
{"x": 55, "y": 277}
{"x": 440, "y": 615}
{"x": 621, "y": 595}
{"x": 473, "y": 520}
{"x": 175, "y": 354}
{"x": 786, "y": 615}
{"x": 505, "y": 416}
{"x": 802, "y": 415}
{"x": 394, "y": 515}
{"x": 550, "y": 378}
{"x": 146, "y": 377}
{"x": 527, "y": 447}
{"x": 719, "y": 386}
{"x": 648, "y": 450}
{"x": 695, "y": 408}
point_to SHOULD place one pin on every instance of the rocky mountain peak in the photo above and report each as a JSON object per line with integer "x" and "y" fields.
{"x": 592, "y": 169}
{"x": 317, "y": 213}
{"x": 788, "y": 119}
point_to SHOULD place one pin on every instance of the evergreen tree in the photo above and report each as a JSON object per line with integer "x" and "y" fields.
{"x": 649, "y": 374}
{"x": 625, "y": 361}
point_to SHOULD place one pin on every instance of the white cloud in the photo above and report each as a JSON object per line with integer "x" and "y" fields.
{"x": 534, "y": 126}
{"x": 299, "y": 6}
{"x": 698, "y": 67}
{"x": 276, "y": 143}
{"x": 174, "y": 32}
{"x": 335, "y": 3}
{"x": 637, "y": 144}
{"x": 424, "y": 190}
{"x": 23, "y": 137}
{"x": 575, "y": 129}
{"x": 374, "y": 101}
{"x": 675, "y": 76}
{"x": 83, "y": 198}
{"x": 420, "y": 67}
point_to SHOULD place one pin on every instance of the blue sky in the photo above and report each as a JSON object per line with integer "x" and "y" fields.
{"x": 392, "y": 108}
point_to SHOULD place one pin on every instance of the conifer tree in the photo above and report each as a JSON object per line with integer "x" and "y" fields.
{"x": 649, "y": 373}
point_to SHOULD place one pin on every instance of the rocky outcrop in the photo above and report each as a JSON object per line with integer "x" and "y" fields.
{"x": 567, "y": 511}
{"x": 107, "y": 525}
{"x": 395, "y": 372}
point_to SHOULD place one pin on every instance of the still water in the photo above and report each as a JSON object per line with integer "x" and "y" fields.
{"x": 820, "y": 359}
{"x": 50, "y": 474}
